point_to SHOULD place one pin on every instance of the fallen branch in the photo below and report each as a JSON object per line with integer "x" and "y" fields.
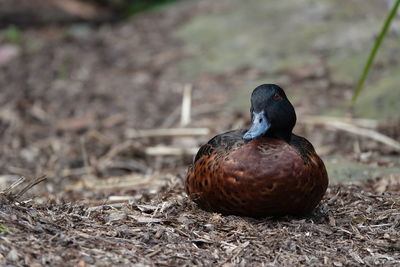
{"x": 351, "y": 128}
{"x": 186, "y": 104}
{"x": 364, "y": 123}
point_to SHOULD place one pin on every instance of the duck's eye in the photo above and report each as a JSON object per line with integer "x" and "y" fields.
{"x": 277, "y": 96}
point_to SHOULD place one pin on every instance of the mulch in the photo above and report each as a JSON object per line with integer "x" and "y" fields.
{"x": 352, "y": 226}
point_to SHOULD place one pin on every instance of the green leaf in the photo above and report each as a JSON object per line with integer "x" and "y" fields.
{"x": 4, "y": 229}
{"x": 374, "y": 51}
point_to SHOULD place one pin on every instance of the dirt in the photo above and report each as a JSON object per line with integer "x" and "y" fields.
{"x": 70, "y": 99}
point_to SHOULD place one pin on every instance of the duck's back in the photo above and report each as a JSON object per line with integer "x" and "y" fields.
{"x": 262, "y": 177}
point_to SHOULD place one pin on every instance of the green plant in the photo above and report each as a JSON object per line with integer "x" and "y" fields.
{"x": 374, "y": 51}
{"x": 4, "y": 229}
{"x": 13, "y": 34}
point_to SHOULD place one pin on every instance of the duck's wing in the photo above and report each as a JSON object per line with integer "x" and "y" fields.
{"x": 221, "y": 144}
{"x": 303, "y": 146}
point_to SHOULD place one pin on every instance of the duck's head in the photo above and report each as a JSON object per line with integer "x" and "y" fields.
{"x": 271, "y": 114}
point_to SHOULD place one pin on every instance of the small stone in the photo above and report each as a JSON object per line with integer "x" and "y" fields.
{"x": 89, "y": 260}
{"x": 8, "y": 53}
{"x": 12, "y": 255}
{"x": 115, "y": 216}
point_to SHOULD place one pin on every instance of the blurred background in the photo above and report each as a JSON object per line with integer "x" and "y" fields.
{"x": 113, "y": 97}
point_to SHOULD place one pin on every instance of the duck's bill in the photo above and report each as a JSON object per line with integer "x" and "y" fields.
{"x": 259, "y": 126}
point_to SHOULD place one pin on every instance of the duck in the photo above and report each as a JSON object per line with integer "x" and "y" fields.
{"x": 265, "y": 170}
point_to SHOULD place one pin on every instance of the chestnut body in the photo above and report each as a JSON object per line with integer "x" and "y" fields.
{"x": 257, "y": 178}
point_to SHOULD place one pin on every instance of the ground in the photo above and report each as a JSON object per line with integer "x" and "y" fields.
{"x": 79, "y": 104}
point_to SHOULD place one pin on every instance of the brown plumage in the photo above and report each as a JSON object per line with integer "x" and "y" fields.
{"x": 263, "y": 175}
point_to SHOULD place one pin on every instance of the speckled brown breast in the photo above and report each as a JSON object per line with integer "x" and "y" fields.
{"x": 264, "y": 177}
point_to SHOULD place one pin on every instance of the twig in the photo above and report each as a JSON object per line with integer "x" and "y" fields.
{"x": 30, "y": 185}
{"x": 99, "y": 136}
{"x": 8, "y": 190}
{"x": 132, "y": 133}
{"x": 117, "y": 205}
{"x": 361, "y": 122}
{"x": 186, "y": 104}
{"x": 347, "y": 127}
{"x": 128, "y": 164}
{"x": 9, "y": 196}
{"x": 114, "y": 151}
{"x": 153, "y": 253}
{"x": 85, "y": 155}
{"x": 239, "y": 250}
{"x": 116, "y": 199}
{"x": 76, "y": 171}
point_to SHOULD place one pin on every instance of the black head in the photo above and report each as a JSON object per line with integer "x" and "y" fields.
{"x": 272, "y": 114}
